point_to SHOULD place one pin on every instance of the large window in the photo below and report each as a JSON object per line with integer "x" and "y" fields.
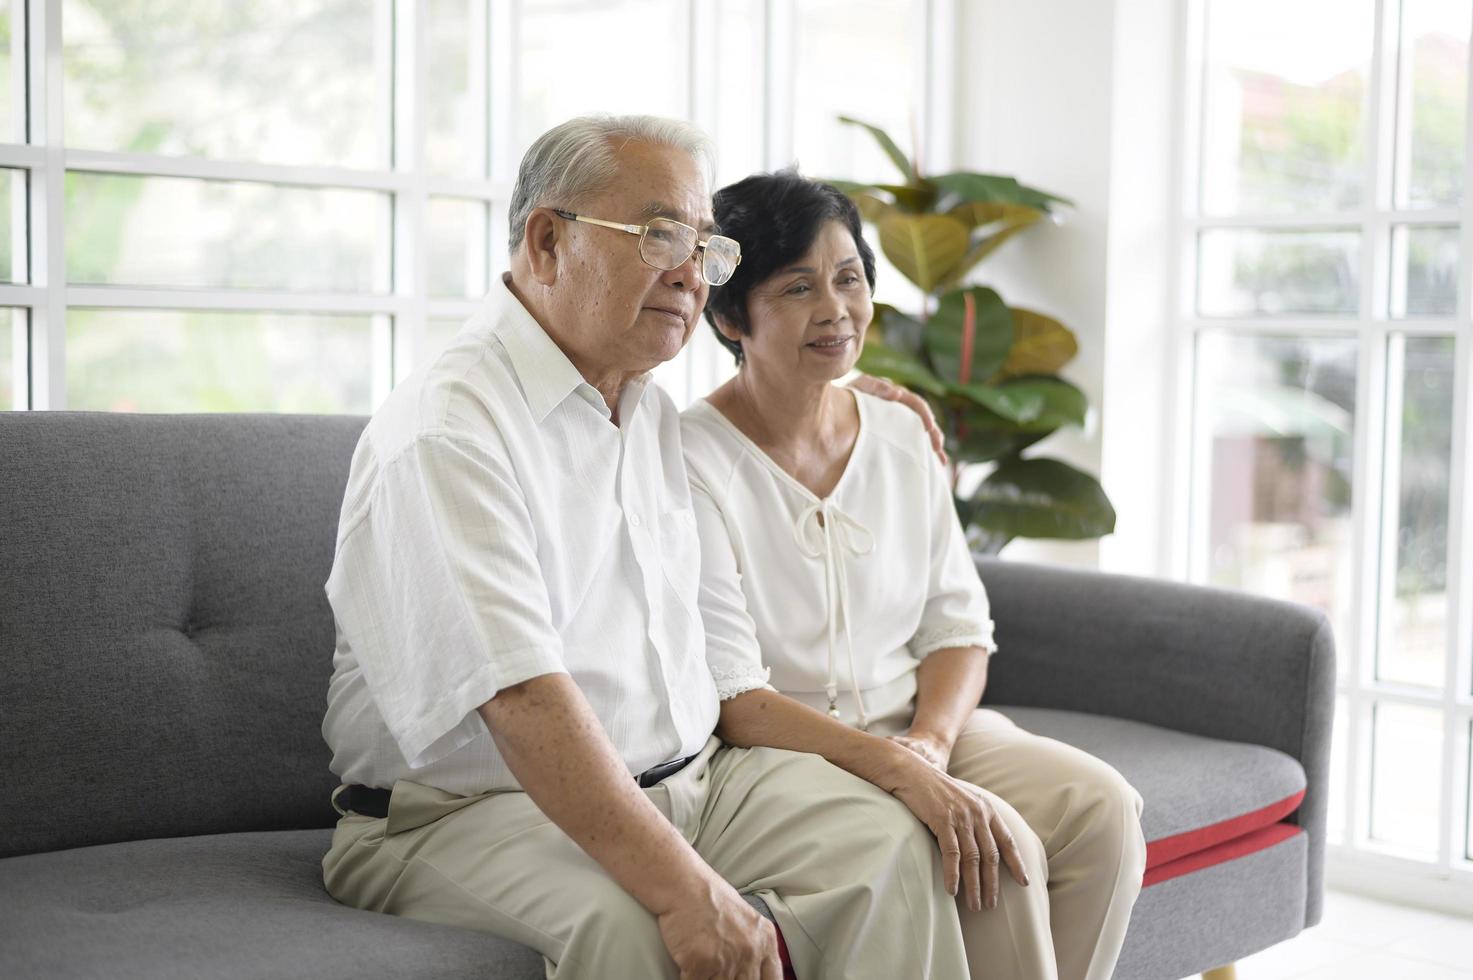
{"x": 1328, "y": 340}
{"x": 285, "y": 205}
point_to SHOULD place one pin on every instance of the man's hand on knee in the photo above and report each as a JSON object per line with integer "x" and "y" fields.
{"x": 720, "y": 935}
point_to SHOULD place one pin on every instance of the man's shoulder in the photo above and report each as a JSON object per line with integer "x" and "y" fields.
{"x": 466, "y": 394}
{"x": 467, "y": 391}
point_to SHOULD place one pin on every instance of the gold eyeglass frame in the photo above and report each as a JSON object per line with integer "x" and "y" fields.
{"x": 642, "y": 230}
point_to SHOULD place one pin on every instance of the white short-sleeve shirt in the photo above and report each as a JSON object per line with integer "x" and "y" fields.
{"x": 880, "y": 567}
{"x": 497, "y": 526}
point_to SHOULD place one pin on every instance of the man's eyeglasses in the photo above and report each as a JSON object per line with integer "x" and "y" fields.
{"x": 666, "y": 244}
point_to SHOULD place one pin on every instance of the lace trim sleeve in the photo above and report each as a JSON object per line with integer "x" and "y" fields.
{"x": 731, "y": 681}
{"x": 926, "y": 642}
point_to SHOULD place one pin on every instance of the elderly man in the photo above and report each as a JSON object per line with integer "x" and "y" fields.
{"x": 520, "y": 709}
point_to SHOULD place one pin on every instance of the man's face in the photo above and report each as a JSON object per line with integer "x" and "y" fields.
{"x": 617, "y": 311}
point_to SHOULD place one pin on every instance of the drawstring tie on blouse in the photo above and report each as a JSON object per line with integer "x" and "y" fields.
{"x": 839, "y": 536}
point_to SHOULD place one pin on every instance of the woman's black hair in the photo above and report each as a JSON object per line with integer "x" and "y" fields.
{"x": 776, "y": 218}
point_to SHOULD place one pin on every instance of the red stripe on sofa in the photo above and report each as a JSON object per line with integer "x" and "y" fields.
{"x": 1177, "y": 846}
{"x": 1243, "y": 846}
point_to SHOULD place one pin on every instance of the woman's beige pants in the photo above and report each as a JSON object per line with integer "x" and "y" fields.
{"x": 1077, "y": 822}
{"x": 852, "y": 878}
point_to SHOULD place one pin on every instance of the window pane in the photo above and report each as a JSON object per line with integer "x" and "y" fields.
{"x": 1424, "y": 271}
{"x": 1418, "y": 459}
{"x": 1284, "y": 121}
{"x": 832, "y": 38}
{"x": 455, "y": 87}
{"x": 636, "y": 49}
{"x": 277, "y": 81}
{"x": 13, "y": 356}
{"x": 1278, "y": 422}
{"x": 197, "y": 361}
{"x": 1268, "y": 273}
{"x": 457, "y": 242}
{"x": 1406, "y": 778}
{"x": 1468, "y": 813}
{"x": 13, "y": 211}
{"x": 12, "y": 72}
{"x": 739, "y": 123}
{"x": 1339, "y": 773}
{"x": 1432, "y": 102}
{"x": 440, "y": 330}
{"x": 128, "y": 230}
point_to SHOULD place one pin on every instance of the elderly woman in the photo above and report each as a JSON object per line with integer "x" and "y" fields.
{"x": 825, "y": 514}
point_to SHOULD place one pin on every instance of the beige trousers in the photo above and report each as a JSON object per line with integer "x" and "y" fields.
{"x": 1077, "y": 822}
{"x": 853, "y": 880}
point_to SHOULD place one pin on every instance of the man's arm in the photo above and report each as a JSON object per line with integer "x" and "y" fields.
{"x": 554, "y": 745}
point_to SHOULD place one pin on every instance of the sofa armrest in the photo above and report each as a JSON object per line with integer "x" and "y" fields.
{"x": 1206, "y": 661}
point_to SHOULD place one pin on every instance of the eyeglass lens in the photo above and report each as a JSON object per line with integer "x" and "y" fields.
{"x": 666, "y": 244}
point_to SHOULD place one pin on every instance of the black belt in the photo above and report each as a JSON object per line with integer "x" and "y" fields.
{"x": 371, "y": 802}
{"x": 654, "y": 774}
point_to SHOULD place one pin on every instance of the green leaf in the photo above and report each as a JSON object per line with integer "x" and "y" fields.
{"x": 992, "y": 187}
{"x": 916, "y": 198}
{"x": 990, "y": 345}
{"x": 924, "y": 247}
{"x": 882, "y": 360}
{"x": 1042, "y": 498}
{"x": 1041, "y": 345}
{"x": 994, "y": 217}
{"x": 898, "y": 330}
{"x": 1020, "y": 409}
{"x": 1033, "y": 404}
{"x": 887, "y": 144}
{"x": 975, "y": 434}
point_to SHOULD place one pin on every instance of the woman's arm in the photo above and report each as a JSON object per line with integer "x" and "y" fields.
{"x": 975, "y": 843}
{"x": 949, "y": 685}
{"x": 765, "y": 717}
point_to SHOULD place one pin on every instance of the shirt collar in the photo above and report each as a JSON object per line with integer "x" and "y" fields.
{"x": 546, "y": 375}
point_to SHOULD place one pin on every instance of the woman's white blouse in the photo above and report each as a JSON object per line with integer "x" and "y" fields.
{"x": 843, "y": 596}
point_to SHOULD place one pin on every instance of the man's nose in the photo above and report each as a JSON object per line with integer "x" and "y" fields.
{"x": 686, "y": 275}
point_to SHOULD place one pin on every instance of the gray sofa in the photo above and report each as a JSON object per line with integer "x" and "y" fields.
{"x": 166, "y": 646}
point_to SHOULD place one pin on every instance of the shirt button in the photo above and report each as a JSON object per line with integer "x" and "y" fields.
{"x": 634, "y": 520}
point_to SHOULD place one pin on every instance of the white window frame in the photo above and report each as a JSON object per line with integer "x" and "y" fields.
{"x": 1358, "y": 862}
{"x": 400, "y": 315}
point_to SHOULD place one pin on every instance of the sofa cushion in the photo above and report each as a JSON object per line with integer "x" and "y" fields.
{"x": 1200, "y": 793}
{"x": 164, "y": 623}
{"x": 229, "y": 905}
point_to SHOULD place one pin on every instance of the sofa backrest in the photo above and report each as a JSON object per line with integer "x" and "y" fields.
{"x": 165, "y": 642}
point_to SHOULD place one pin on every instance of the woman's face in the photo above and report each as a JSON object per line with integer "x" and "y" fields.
{"x": 808, "y": 320}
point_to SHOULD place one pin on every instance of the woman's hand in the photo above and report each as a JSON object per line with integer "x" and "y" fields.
{"x": 968, "y": 827}
{"x": 928, "y": 747}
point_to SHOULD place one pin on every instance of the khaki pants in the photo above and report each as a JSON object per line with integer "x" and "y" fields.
{"x": 852, "y": 878}
{"x": 1077, "y": 822}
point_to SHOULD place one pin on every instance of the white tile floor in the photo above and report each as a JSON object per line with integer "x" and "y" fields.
{"x": 1365, "y": 939}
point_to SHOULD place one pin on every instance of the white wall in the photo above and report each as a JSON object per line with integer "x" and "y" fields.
{"x": 1075, "y": 97}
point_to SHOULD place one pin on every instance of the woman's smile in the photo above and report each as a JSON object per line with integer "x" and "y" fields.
{"x": 831, "y": 345}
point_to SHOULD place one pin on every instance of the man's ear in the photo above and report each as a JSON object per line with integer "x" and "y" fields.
{"x": 539, "y": 239}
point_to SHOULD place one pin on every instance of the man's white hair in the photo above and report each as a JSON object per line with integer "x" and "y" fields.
{"x": 575, "y": 159}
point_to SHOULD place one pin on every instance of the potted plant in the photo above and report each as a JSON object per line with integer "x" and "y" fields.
{"x": 989, "y": 370}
